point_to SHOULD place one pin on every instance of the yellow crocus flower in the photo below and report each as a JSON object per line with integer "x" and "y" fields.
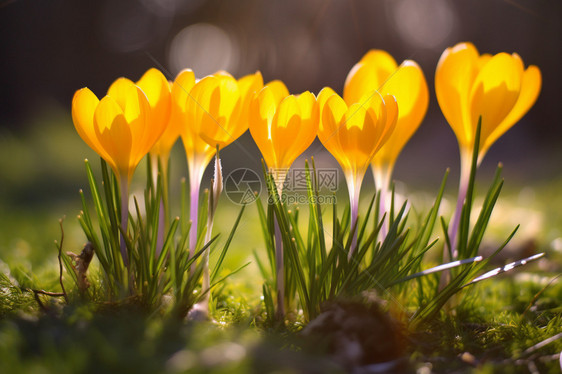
{"x": 377, "y": 70}
{"x": 498, "y": 88}
{"x": 353, "y": 134}
{"x": 282, "y": 125}
{"x": 122, "y": 127}
{"x": 118, "y": 127}
{"x": 469, "y": 86}
{"x": 230, "y": 119}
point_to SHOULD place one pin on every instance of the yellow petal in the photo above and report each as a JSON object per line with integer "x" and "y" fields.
{"x": 249, "y": 86}
{"x": 278, "y": 89}
{"x": 262, "y": 111}
{"x": 114, "y": 135}
{"x": 159, "y": 93}
{"x": 144, "y": 134}
{"x": 495, "y": 92}
{"x": 216, "y": 107}
{"x": 137, "y": 114}
{"x": 409, "y": 87}
{"x": 530, "y": 89}
{"x": 332, "y": 115}
{"x": 202, "y": 109}
{"x": 285, "y": 126}
{"x": 390, "y": 121}
{"x": 223, "y": 73}
{"x": 84, "y": 104}
{"x": 119, "y": 90}
{"x": 157, "y": 90}
{"x": 380, "y": 58}
{"x": 456, "y": 70}
{"x": 322, "y": 98}
{"x": 368, "y": 75}
{"x": 184, "y": 120}
{"x": 304, "y": 135}
{"x": 183, "y": 83}
{"x": 357, "y": 138}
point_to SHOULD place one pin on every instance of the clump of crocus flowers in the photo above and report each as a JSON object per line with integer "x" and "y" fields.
{"x": 382, "y": 105}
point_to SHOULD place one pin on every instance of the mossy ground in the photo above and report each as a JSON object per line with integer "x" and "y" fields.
{"x": 496, "y": 328}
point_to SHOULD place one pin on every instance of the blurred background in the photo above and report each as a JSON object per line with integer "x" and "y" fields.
{"x": 52, "y": 48}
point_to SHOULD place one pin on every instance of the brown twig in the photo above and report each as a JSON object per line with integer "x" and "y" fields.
{"x": 36, "y": 294}
{"x": 81, "y": 263}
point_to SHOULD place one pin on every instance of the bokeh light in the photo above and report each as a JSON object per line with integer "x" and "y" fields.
{"x": 204, "y": 48}
{"x": 424, "y": 23}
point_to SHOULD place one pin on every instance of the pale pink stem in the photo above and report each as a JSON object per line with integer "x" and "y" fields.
{"x": 354, "y": 187}
{"x": 195, "y": 185}
{"x": 382, "y": 177}
{"x": 463, "y": 187}
{"x": 206, "y": 285}
{"x": 124, "y": 186}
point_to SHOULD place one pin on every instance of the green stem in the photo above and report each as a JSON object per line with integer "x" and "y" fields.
{"x": 163, "y": 220}
{"x": 279, "y": 178}
{"x": 280, "y": 272}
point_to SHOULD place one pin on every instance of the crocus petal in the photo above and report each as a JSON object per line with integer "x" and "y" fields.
{"x": 278, "y": 89}
{"x": 262, "y": 111}
{"x": 300, "y": 137}
{"x": 216, "y": 107}
{"x": 390, "y": 120}
{"x": 157, "y": 90}
{"x": 114, "y": 134}
{"x": 409, "y": 88}
{"x": 310, "y": 116}
{"x": 495, "y": 92}
{"x": 183, "y": 83}
{"x": 368, "y": 75}
{"x": 285, "y": 125}
{"x": 203, "y": 97}
{"x": 120, "y": 90}
{"x": 454, "y": 76}
{"x": 357, "y": 137}
{"x": 134, "y": 104}
{"x": 333, "y": 112}
{"x": 145, "y": 134}
{"x": 530, "y": 89}
{"x": 84, "y": 104}
{"x": 248, "y": 85}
